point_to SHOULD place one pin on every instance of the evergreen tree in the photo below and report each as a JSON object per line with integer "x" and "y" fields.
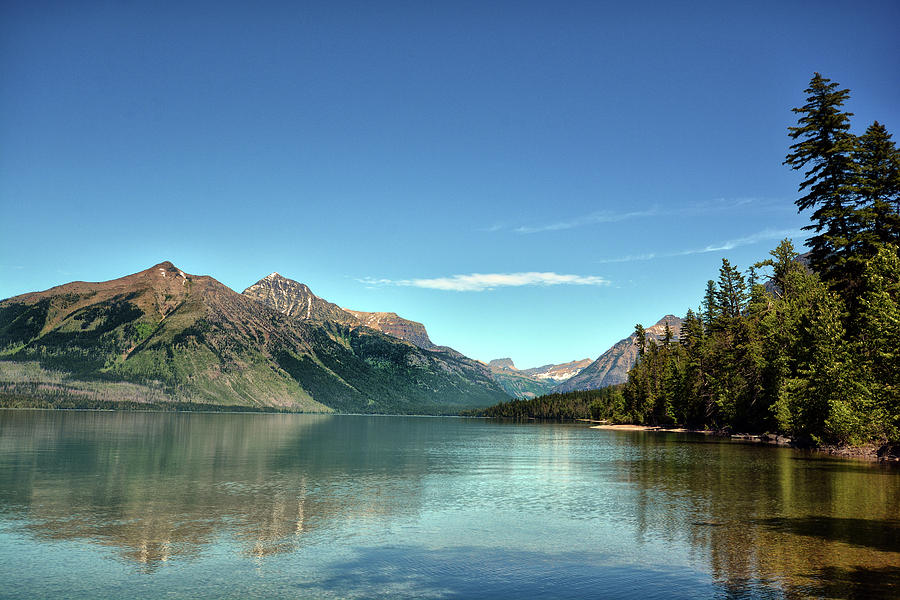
{"x": 641, "y": 338}
{"x": 710, "y": 307}
{"x": 878, "y": 324}
{"x": 878, "y": 187}
{"x": 783, "y": 262}
{"x": 752, "y": 278}
{"x": 694, "y": 401}
{"x": 689, "y": 333}
{"x": 732, "y": 291}
{"x": 824, "y": 148}
{"x": 825, "y": 399}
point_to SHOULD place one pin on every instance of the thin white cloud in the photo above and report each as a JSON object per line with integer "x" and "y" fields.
{"x": 631, "y": 258}
{"x": 591, "y": 219}
{"x": 759, "y": 236}
{"x": 747, "y": 240}
{"x": 598, "y": 217}
{"x": 479, "y": 282}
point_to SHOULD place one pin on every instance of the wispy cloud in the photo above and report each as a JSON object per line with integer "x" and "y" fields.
{"x": 479, "y": 282}
{"x": 598, "y": 217}
{"x": 591, "y": 219}
{"x": 747, "y": 240}
{"x": 632, "y": 258}
{"x": 759, "y": 236}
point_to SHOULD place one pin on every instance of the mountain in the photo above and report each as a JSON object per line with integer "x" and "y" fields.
{"x": 502, "y": 364}
{"x": 613, "y": 365}
{"x": 516, "y": 383}
{"x": 529, "y": 383}
{"x": 391, "y": 324}
{"x": 297, "y": 300}
{"x": 162, "y": 335}
{"x": 559, "y": 373}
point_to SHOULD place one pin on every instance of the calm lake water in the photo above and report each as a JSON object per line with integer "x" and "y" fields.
{"x": 132, "y": 505}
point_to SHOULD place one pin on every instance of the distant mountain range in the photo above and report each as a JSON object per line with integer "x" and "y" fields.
{"x": 528, "y": 383}
{"x": 168, "y": 336}
{"x": 612, "y": 366}
{"x": 558, "y": 373}
{"x": 516, "y": 383}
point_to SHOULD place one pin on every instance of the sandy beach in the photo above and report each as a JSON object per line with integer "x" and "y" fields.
{"x": 649, "y": 428}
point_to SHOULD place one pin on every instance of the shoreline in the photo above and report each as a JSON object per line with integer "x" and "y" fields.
{"x": 628, "y": 427}
{"x": 887, "y": 453}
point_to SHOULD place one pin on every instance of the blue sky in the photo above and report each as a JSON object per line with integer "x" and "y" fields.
{"x": 527, "y": 179}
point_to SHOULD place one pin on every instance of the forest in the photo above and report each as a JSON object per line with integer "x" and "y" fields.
{"x": 605, "y": 404}
{"x": 804, "y": 345}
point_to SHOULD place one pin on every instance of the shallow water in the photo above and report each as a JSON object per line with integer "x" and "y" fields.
{"x": 153, "y": 505}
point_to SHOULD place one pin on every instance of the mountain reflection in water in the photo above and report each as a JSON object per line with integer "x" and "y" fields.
{"x": 160, "y": 486}
{"x": 344, "y": 505}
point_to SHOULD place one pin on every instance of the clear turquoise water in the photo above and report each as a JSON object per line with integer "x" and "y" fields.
{"x": 126, "y": 505}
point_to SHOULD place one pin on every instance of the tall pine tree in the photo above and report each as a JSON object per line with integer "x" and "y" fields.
{"x": 878, "y": 188}
{"x": 823, "y": 149}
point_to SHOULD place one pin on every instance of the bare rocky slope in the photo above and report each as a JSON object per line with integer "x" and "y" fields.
{"x": 395, "y": 325}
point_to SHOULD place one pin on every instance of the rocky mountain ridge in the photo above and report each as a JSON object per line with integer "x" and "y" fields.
{"x": 163, "y": 333}
{"x": 297, "y": 300}
{"x": 561, "y": 372}
{"x": 395, "y": 325}
{"x": 502, "y": 364}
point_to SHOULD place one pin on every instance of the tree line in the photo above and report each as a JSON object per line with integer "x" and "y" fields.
{"x": 807, "y": 346}
{"x": 603, "y": 404}
{"x": 813, "y": 352}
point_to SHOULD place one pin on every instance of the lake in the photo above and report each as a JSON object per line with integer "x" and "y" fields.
{"x": 161, "y": 505}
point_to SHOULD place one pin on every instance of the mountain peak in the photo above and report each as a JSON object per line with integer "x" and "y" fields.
{"x": 672, "y": 320}
{"x": 295, "y": 299}
{"x": 167, "y": 269}
{"x": 276, "y": 280}
{"x": 275, "y": 276}
{"x": 502, "y": 363}
{"x": 167, "y": 266}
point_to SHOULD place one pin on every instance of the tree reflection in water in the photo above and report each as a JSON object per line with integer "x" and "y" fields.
{"x": 798, "y": 521}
